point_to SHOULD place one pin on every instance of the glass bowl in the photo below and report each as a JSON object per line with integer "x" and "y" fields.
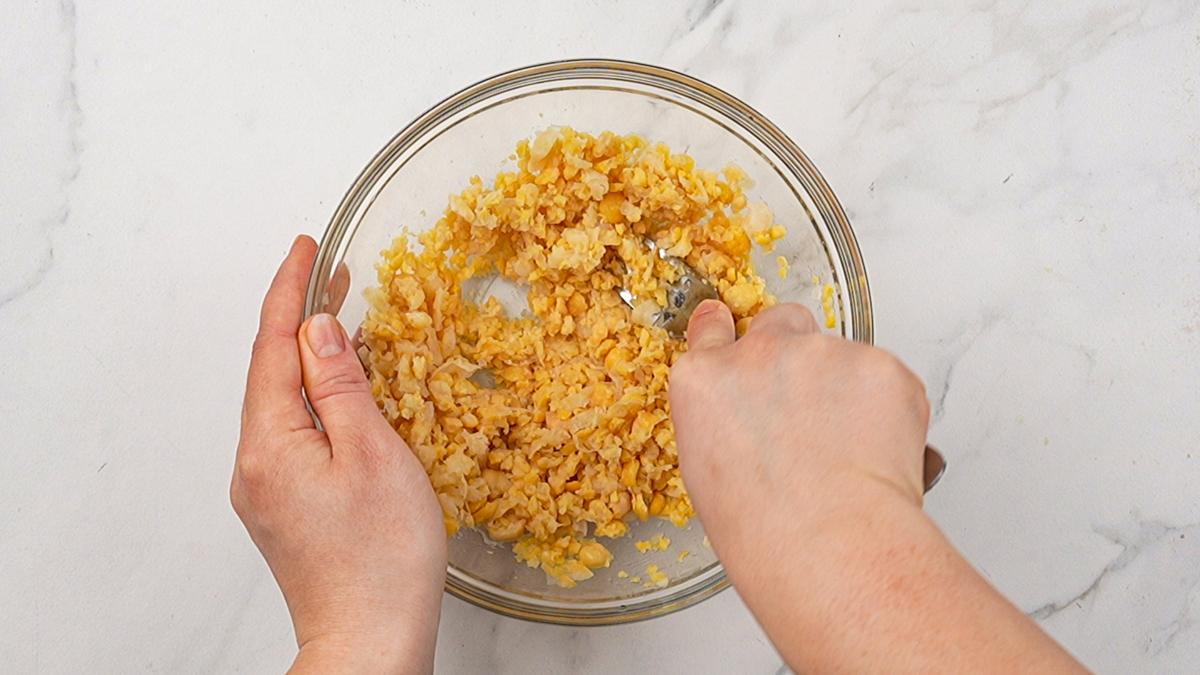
{"x": 473, "y": 132}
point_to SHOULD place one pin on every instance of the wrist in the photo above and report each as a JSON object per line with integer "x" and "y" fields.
{"x": 852, "y": 484}
{"x": 832, "y": 571}
{"x": 746, "y": 524}
{"x": 357, "y": 653}
{"x": 348, "y": 629}
{"x": 817, "y": 536}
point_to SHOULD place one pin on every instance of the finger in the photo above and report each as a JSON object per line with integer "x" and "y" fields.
{"x": 336, "y": 385}
{"x": 710, "y": 326}
{"x": 788, "y": 317}
{"x": 273, "y": 399}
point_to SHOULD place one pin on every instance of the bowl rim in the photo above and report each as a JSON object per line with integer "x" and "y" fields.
{"x": 697, "y": 91}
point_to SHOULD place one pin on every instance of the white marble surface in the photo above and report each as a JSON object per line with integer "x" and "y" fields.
{"x": 1024, "y": 179}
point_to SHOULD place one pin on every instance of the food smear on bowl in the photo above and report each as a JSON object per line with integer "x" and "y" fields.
{"x": 656, "y": 577}
{"x": 827, "y": 306}
{"x": 656, "y": 543}
{"x": 782, "y": 266}
{"x": 551, "y": 429}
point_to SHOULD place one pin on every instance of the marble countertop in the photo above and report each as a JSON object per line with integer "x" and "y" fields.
{"x": 1023, "y": 177}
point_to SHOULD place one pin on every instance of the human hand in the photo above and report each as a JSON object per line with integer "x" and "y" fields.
{"x": 344, "y": 516}
{"x": 803, "y": 455}
{"x": 787, "y": 423}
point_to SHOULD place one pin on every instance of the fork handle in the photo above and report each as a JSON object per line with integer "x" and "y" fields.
{"x": 935, "y": 466}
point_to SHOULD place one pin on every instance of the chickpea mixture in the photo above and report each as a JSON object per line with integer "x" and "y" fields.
{"x": 551, "y": 429}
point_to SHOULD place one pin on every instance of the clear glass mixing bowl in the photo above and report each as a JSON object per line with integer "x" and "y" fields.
{"x": 473, "y": 132}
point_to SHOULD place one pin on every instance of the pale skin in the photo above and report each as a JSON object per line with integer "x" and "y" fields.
{"x": 345, "y": 517}
{"x": 818, "y": 522}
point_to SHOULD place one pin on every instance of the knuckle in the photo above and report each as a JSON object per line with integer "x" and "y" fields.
{"x": 251, "y": 472}
{"x": 886, "y": 366}
{"x": 918, "y": 396}
{"x": 787, "y": 317}
{"x": 342, "y": 380}
{"x": 816, "y": 345}
{"x": 901, "y": 380}
{"x": 917, "y": 385}
{"x": 905, "y": 378}
{"x": 247, "y": 468}
{"x": 266, "y": 338}
{"x": 237, "y": 498}
{"x": 799, "y": 315}
{"x": 767, "y": 345}
{"x": 923, "y": 409}
{"x": 262, "y": 341}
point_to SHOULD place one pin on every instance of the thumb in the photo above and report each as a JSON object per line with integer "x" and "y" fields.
{"x": 710, "y": 326}
{"x": 334, "y": 380}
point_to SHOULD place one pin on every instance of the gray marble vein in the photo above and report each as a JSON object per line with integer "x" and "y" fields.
{"x": 66, "y": 170}
{"x": 1148, "y": 533}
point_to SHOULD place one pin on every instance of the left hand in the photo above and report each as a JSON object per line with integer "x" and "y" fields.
{"x": 345, "y": 517}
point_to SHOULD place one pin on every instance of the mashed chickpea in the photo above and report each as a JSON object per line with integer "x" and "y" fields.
{"x": 574, "y": 438}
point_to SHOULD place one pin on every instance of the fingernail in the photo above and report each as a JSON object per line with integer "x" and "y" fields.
{"x": 324, "y": 336}
{"x": 706, "y": 307}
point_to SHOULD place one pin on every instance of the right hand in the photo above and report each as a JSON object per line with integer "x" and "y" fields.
{"x": 786, "y": 424}
{"x": 803, "y": 455}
